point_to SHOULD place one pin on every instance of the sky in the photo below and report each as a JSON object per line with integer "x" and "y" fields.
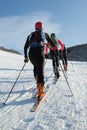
{"x": 60, "y": 109}
{"x": 66, "y": 18}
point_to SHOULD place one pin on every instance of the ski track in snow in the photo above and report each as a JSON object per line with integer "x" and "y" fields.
{"x": 59, "y": 110}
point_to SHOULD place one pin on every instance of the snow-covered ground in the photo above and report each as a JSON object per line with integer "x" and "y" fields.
{"x": 59, "y": 110}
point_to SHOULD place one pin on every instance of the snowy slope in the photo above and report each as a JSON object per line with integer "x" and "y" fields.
{"x": 59, "y": 110}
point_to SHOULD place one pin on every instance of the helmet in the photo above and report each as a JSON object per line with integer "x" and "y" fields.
{"x": 53, "y": 35}
{"x": 38, "y": 25}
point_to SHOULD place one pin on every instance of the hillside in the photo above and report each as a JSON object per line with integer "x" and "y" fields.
{"x": 78, "y": 53}
{"x": 9, "y": 50}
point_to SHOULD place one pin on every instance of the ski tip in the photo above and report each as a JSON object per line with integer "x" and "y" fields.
{"x": 4, "y": 103}
{"x": 32, "y": 110}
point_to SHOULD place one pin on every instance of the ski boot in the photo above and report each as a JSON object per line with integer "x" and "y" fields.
{"x": 56, "y": 72}
{"x": 57, "y": 75}
{"x": 40, "y": 90}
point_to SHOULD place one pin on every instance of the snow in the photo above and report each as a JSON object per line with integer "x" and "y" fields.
{"x": 59, "y": 110}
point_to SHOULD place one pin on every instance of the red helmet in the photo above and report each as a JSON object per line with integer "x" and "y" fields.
{"x": 38, "y": 25}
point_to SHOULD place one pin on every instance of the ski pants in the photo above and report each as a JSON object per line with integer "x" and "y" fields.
{"x": 55, "y": 58}
{"x": 36, "y": 56}
{"x": 64, "y": 59}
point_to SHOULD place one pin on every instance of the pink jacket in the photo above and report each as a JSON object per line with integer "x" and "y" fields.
{"x": 55, "y": 47}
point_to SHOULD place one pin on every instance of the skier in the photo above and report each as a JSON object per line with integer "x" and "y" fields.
{"x": 35, "y": 43}
{"x": 63, "y": 55}
{"x": 54, "y": 52}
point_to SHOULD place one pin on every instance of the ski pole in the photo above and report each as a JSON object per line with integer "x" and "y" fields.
{"x": 66, "y": 79}
{"x": 14, "y": 84}
{"x": 65, "y": 76}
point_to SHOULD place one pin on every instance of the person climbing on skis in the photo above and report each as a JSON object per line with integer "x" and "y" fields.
{"x": 35, "y": 44}
{"x": 54, "y": 52}
{"x": 63, "y": 55}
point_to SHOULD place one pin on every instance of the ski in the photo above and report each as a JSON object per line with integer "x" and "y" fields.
{"x": 38, "y": 101}
{"x": 35, "y": 106}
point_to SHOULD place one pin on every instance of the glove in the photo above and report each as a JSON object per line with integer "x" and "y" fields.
{"x": 46, "y": 56}
{"x": 26, "y": 60}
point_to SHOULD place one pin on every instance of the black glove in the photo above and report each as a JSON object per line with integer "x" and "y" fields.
{"x": 26, "y": 60}
{"x": 46, "y": 56}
